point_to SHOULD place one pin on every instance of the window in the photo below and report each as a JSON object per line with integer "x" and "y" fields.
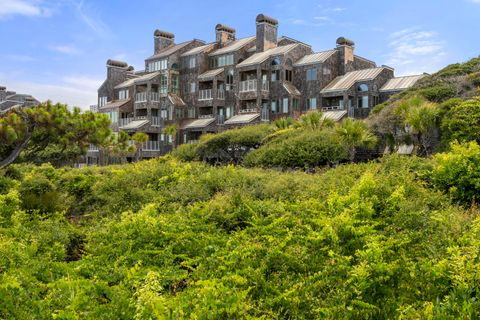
{"x": 276, "y": 61}
{"x": 285, "y": 105}
{"x": 123, "y": 94}
{"x": 157, "y": 65}
{"x": 230, "y": 80}
{"x": 295, "y": 104}
{"x": 363, "y": 102}
{"x": 312, "y": 74}
{"x": 163, "y": 84}
{"x": 312, "y": 103}
{"x": 102, "y": 101}
{"x": 175, "y": 84}
{"x": 222, "y": 61}
{"x": 274, "y": 106}
{"x": 163, "y": 114}
{"x": 192, "y": 87}
{"x": 192, "y": 62}
{"x": 362, "y": 88}
{"x": 228, "y": 112}
{"x": 288, "y": 75}
{"x": 276, "y": 75}
{"x": 113, "y": 115}
{"x": 191, "y": 113}
{"x": 327, "y": 71}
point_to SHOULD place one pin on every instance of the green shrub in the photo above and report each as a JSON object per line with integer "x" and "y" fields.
{"x": 457, "y": 172}
{"x": 474, "y": 78}
{"x": 462, "y": 122}
{"x": 460, "y": 69}
{"x": 39, "y": 193}
{"x": 438, "y": 92}
{"x": 300, "y": 149}
{"x": 186, "y": 152}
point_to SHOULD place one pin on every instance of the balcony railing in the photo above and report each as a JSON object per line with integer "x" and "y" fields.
{"x": 221, "y": 94}
{"x": 251, "y": 85}
{"x": 93, "y": 148}
{"x": 205, "y": 116}
{"x": 147, "y": 96}
{"x": 250, "y": 110}
{"x": 124, "y": 121}
{"x": 204, "y": 95}
{"x": 157, "y": 122}
{"x": 151, "y": 146}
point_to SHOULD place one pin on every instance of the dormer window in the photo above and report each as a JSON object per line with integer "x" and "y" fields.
{"x": 192, "y": 62}
{"x": 222, "y": 61}
{"x": 362, "y": 88}
{"x": 276, "y": 61}
{"x": 157, "y": 65}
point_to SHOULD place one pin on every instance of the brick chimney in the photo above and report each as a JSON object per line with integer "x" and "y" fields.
{"x": 267, "y": 32}
{"x": 346, "y": 48}
{"x": 224, "y": 35}
{"x": 162, "y": 40}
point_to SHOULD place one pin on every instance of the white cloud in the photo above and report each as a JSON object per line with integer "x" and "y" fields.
{"x": 65, "y": 49}
{"x": 30, "y": 8}
{"x": 87, "y": 16}
{"x": 325, "y": 16}
{"x": 415, "y": 51}
{"x": 73, "y": 90}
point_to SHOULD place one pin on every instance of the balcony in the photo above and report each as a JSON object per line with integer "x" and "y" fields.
{"x": 157, "y": 122}
{"x": 143, "y": 97}
{"x": 207, "y": 95}
{"x": 249, "y": 110}
{"x": 147, "y": 146}
{"x": 252, "y": 86}
{"x": 124, "y": 121}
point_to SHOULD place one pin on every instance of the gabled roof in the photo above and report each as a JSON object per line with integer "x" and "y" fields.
{"x": 263, "y": 56}
{"x": 233, "y": 46}
{"x": 345, "y": 82}
{"x": 199, "y": 50}
{"x": 170, "y": 50}
{"x": 314, "y": 58}
{"x": 130, "y": 82}
{"x": 243, "y": 118}
{"x": 199, "y": 123}
{"x": 400, "y": 83}
{"x": 210, "y": 74}
{"x": 115, "y": 104}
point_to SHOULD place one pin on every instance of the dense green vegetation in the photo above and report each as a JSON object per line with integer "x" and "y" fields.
{"x": 166, "y": 240}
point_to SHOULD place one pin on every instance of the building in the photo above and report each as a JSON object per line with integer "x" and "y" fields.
{"x": 208, "y": 87}
{"x": 11, "y": 99}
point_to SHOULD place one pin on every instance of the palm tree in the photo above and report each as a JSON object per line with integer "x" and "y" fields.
{"x": 139, "y": 138}
{"x": 314, "y": 120}
{"x": 171, "y": 130}
{"x": 355, "y": 133}
{"x": 422, "y": 119}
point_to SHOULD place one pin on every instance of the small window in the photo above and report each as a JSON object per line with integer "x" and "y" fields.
{"x": 312, "y": 74}
{"x": 312, "y": 103}
{"x": 288, "y": 75}
{"x": 363, "y": 102}
{"x": 362, "y": 88}
{"x": 276, "y": 61}
{"x": 229, "y": 85}
{"x": 276, "y": 75}
{"x": 327, "y": 71}
{"x": 285, "y": 105}
{"x": 192, "y": 62}
{"x": 192, "y": 87}
{"x": 274, "y": 106}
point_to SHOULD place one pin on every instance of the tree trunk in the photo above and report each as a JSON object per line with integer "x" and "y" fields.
{"x": 18, "y": 149}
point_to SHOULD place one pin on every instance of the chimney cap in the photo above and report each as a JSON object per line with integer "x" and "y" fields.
{"x": 2, "y": 88}
{"x": 263, "y": 18}
{"x": 342, "y": 41}
{"x": 163, "y": 34}
{"x": 130, "y": 68}
{"x": 116, "y": 63}
{"x": 223, "y": 27}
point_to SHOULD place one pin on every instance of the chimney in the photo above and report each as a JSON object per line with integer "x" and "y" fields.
{"x": 224, "y": 35}
{"x": 163, "y": 40}
{"x": 345, "y": 47}
{"x": 267, "y": 29}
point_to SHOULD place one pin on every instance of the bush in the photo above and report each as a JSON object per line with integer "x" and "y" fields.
{"x": 438, "y": 93}
{"x": 186, "y": 152}
{"x": 474, "y": 78}
{"x": 462, "y": 122}
{"x": 457, "y": 172}
{"x": 300, "y": 149}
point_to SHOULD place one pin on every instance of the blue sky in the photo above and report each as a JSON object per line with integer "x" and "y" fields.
{"x": 57, "y": 49}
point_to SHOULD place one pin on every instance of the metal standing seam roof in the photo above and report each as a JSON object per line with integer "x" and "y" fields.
{"x": 198, "y": 50}
{"x": 400, "y": 83}
{"x": 291, "y": 89}
{"x": 115, "y": 104}
{"x": 134, "y": 124}
{"x": 242, "y": 118}
{"x": 263, "y": 56}
{"x": 345, "y": 82}
{"x": 210, "y": 74}
{"x": 233, "y": 46}
{"x": 129, "y": 82}
{"x": 199, "y": 123}
{"x": 334, "y": 115}
{"x": 318, "y": 57}
{"x": 170, "y": 50}
{"x": 176, "y": 100}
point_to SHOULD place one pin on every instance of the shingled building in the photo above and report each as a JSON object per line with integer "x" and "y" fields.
{"x": 209, "y": 87}
{"x": 11, "y": 99}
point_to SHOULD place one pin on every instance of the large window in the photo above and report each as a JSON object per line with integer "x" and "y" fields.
{"x": 102, "y": 101}
{"x": 363, "y": 102}
{"x": 362, "y": 88}
{"x": 175, "y": 84}
{"x": 163, "y": 84}
{"x": 193, "y": 87}
{"x": 312, "y": 103}
{"x": 312, "y": 74}
{"x": 192, "y": 62}
{"x": 285, "y": 105}
{"x": 230, "y": 74}
{"x": 113, "y": 115}
{"x": 158, "y": 65}
{"x": 123, "y": 94}
{"x": 221, "y": 61}
{"x": 276, "y": 75}
{"x": 274, "y": 106}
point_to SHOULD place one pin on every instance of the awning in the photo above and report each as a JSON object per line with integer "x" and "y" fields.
{"x": 134, "y": 125}
{"x": 115, "y": 104}
{"x": 176, "y": 100}
{"x": 199, "y": 123}
{"x": 291, "y": 89}
{"x": 243, "y": 118}
{"x": 210, "y": 75}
